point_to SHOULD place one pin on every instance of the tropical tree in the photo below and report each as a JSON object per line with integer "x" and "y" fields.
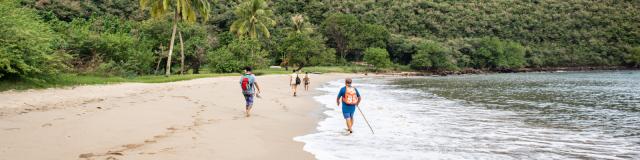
{"x": 377, "y": 57}
{"x": 432, "y": 55}
{"x": 254, "y": 18}
{"x": 339, "y": 29}
{"x": 299, "y": 24}
{"x": 494, "y": 53}
{"x": 237, "y": 54}
{"x": 301, "y": 43}
{"x": 633, "y": 58}
{"x": 26, "y": 44}
{"x": 304, "y": 49}
{"x": 182, "y": 10}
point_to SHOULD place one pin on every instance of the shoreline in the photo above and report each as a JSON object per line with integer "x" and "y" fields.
{"x": 194, "y": 119}
{"x": 522, "y": 70}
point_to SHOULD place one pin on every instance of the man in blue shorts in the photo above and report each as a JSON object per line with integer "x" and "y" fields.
{"x": 247, "y": 83}
{"x": 350, "y": 100}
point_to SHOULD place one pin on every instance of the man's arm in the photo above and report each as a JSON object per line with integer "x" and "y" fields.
{"x": 340, "y": 94}
{"x": 257, "y": 87}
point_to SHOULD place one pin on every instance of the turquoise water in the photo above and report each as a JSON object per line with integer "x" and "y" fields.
{"x": 569, "y": 115}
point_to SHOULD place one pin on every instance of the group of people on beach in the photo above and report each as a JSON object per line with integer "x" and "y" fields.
{"x": 294, "y": 81}
{"x": 348, "y": 95}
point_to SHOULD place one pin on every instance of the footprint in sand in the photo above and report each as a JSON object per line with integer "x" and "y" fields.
{"x": 132, "y": 146}
{"x": 166, "y": 149}
{"x": 86, "y": 155}
{"x": 159, "y": 136}
{"x": 114, "y": 153}
{"x": 172, "y": 128}
{"x": 11, "y": 129}
{"x": 284, "y": 107}
{"x": 150, "y": 141}
{"x": 183, "y": 97}
{"x": 47, "y": 125}
{"x": 92, "y": 100}
{"x": 149, "y": 153}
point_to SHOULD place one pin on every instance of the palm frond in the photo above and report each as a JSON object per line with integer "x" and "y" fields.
{"x": 254, "y": 18}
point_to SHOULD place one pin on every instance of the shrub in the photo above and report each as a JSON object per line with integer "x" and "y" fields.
{"x": 377, "y": 57}
{"x": 431, "y": 55}
{"x": 237, "y": 54}
{"x": 26, "y": 44}
{"x": 633, "y": 58}
{"x": 304, "y": 49}
{"x": 494, "y": 53}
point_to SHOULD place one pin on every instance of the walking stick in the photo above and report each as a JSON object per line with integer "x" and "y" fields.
{"x": 365, "y": 119}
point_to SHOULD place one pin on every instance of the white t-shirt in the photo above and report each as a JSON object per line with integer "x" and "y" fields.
{"x": 293, "y": 78}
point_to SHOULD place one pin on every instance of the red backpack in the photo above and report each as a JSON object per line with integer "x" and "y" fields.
{"x": 246, "y": 83}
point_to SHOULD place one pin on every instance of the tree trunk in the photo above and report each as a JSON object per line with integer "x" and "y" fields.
{"x": 300, "y": 66}
{"x": 173, "y": 37}
{"x": 198, "y": 61}
{"x": 181, "y": 53}
{"x": 252, "y": 57}
{"x": 159, "y": 59}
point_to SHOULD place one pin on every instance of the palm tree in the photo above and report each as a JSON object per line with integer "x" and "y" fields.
{"x": 299, "y": 25}
{"x": 182, "y": 10}
{"x": 253, "y": 16}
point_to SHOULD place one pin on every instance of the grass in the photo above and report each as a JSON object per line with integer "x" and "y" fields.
{"x": 65, "y": 80}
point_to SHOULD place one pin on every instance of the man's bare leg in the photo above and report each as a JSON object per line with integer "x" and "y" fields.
{"x": 349, "y": 124}
{"x": 295, "y": 89}
{"x": 247, "y": 110}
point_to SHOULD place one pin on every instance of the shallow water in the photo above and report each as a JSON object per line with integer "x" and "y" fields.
{"x": 571, "y": 115}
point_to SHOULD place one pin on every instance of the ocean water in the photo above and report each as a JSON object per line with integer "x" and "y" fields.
{"x": 570, "y": 115}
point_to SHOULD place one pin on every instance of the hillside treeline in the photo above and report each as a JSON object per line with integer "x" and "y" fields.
{"x": 39, "y": 38}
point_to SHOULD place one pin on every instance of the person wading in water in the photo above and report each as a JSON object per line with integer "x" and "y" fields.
{"x": 350, "y": 99}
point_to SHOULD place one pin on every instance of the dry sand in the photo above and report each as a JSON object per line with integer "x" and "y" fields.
{"x": 187, "y": 120}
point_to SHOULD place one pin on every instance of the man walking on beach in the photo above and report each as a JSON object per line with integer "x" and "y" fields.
{"x": 247, "y": 83}
{"x": 294, "y": 81}
{"x": 350, "y": 100}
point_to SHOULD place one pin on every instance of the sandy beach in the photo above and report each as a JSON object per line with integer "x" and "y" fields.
{"x": 195, "y": 119}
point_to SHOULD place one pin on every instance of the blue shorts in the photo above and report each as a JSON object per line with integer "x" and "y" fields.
{"x": 249, "y": 99}
{"x": 347, "y": 111}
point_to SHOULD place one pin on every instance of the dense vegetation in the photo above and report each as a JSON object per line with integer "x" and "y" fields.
{"x": 39, "y": 38}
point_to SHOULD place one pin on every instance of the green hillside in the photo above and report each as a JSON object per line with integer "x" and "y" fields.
{"x": 40, "y": 38}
